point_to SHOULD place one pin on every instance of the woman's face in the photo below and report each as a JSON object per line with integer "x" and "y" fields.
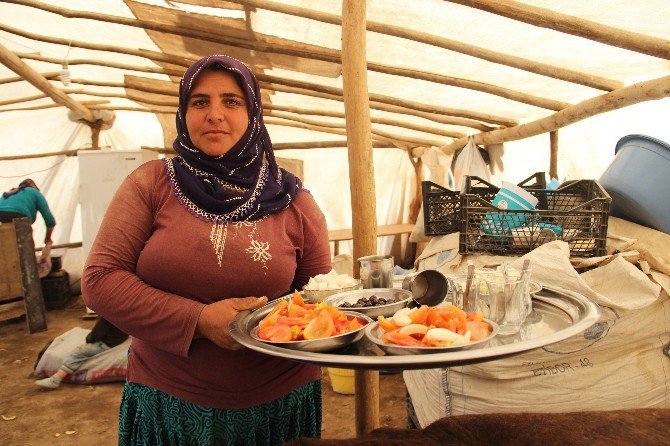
{"x": 216, "y": 113}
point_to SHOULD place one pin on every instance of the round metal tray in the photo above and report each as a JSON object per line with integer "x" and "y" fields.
{"x": 556, "y": 315}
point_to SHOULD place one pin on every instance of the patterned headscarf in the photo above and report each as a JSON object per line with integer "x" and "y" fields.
{"x": 240, "y": 184}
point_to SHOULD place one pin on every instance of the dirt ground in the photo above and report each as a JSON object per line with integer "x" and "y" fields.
{"x": 87, "y": 415}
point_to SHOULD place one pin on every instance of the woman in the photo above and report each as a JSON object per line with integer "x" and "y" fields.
{"x": 24, "y": 201}
{"x": 188, "y": 243}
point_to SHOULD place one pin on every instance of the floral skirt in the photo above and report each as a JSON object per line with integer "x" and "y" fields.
{"x": 151, "y": 417}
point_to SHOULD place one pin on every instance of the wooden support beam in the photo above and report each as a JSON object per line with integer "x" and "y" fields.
{"x": 23, "y": 99}
{"x": 485, "y": 117}
{"x": 32, "y": 287}
{"x": 11, "y": 61}
{"x": 543, "y": 69}
{"x": 633, "y": 94}
{"x": 39, "y": 155}
{"x": 52, "y": 105}
{"x": 10, "y": 80}
{"x": 448, "y": 120}
{"x": 362, "y": 181}
{"x": 569, "y": 24}
{"x": 101, "y": 63}
{"x": 342, "y": 125}
{"x": 272, "y": 44}
{"x": 553, "y": 154}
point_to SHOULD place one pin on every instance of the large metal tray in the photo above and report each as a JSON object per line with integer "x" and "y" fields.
{"x": 556, "y": 315}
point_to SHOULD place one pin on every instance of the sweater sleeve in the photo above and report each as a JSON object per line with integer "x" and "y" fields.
{"x": 315, "y": 256}
{"x": 43, "y": 207}
{"x": 110, "y": 284}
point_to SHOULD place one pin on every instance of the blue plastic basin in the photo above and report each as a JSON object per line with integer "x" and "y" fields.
{"x": 638, "y": 180}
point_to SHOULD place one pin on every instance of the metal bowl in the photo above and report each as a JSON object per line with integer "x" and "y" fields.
{"x": 318, "y": 345}
{"x": 374, "y": 333}
{"x": 316, "y": 296}
{"x": 402, "y": 299}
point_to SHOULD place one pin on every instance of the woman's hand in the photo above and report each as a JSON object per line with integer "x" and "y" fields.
{"x": 214, "y": 319}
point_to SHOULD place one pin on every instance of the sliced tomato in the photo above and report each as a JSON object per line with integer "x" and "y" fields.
{"x": 394, "y": 337}
{"x": 295, "y": 310}
{"x": 290, "y": 321}
{"x": 321, "y": 327}
{"x": 478, "y": 330}
{"x": 354, "y": 324}
{"x": 419, "y": 316}
{"x": 297, "y": 299}
{"x": 276, "y": 333}
{"x": 310, "y": 306}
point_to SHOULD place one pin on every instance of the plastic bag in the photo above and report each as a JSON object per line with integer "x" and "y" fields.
{"x": 470, "y": 162}
{"x": 44, "y": 261}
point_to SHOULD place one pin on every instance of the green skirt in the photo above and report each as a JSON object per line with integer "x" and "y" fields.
{"x": 150, "y": 417}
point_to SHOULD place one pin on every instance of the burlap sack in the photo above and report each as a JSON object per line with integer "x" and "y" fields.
{"x": 620, "y": 362}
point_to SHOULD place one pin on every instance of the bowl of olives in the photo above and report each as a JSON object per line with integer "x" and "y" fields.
{"x": 372, "y": 302}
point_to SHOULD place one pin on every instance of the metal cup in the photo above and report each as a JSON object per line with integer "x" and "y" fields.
{"x": 376, "y": 271}
{"x": 428, "y": 287}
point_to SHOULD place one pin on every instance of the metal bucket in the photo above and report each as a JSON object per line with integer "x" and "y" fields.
{"x": 429, "y": 287}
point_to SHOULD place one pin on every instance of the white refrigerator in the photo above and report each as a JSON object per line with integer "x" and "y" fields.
{"x": 101, "y": 172}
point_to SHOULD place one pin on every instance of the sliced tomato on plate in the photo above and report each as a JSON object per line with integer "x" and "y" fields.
{"x": 394, "y": 337}
{"x": 320, "y": 327}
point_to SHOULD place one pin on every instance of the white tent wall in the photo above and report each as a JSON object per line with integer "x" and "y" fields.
{"x": 585, "y": 148}
{"x": 50, "y": 130}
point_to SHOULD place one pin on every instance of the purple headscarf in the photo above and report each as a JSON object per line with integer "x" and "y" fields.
{"x": 240, "y": 184}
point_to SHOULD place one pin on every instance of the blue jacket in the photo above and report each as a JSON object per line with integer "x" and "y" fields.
{"x": 27, "y": 202}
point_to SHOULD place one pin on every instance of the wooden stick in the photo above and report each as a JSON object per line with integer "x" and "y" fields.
{"x": 449, "y": 120}
{"x": 272, "y": 44}
{"x": 292, "y": 117}
{"x": 9, "y": 80}
{"x": 386, "y": 121}
{"x": 294, "y": 145}
{"x": 486, "y": 117}
{"x": 552, "y": 71}
{"x": 569, "y": 24}
{"x": 623, "y": 97}
{"x": 362, "y": 181}
{"x": 11, "y": 61}
{"x": 24, "y": 99}
{"x": 102, "y": 63}
{"x": 53, "y": 105}
{"x": 553, "y": 154}
{"x": 39, "y": 155}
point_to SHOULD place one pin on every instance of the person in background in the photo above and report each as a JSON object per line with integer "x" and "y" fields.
{"x": 189, "y": 242}
{"x": 102, "y": 337}
{"x": 24, "y": 201}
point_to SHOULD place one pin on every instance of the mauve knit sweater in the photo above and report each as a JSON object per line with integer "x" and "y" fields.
{"x": 153, "y": 268}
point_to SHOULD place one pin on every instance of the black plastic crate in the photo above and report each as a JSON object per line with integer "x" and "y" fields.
{"x": 579, "y": 208}
{"x": 441, "y": 206}
{"x": 56, "y": 290}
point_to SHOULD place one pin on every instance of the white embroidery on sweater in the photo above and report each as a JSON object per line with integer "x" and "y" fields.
{"x": 259, "y": 250}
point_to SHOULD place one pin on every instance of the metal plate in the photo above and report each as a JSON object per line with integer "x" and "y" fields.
{"x": 556, "y": 315}
{"x": 374, "y": 333}
{"x": 401, "y": 300}
{"x": 316, "y": 345}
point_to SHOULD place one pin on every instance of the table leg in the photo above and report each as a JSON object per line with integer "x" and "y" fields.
{"x": 367, "y": 401}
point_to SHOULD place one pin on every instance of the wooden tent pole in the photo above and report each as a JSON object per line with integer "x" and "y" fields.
{"x": 569, "y": 24}
{"x": 553, "y": 154}
{"x": 362, "y": 180}
{"x": 623, "y": 97}
{"x": 14, "y": 63}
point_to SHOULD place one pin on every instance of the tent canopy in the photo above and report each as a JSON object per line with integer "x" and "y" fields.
{"x": 438, "y": 71}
